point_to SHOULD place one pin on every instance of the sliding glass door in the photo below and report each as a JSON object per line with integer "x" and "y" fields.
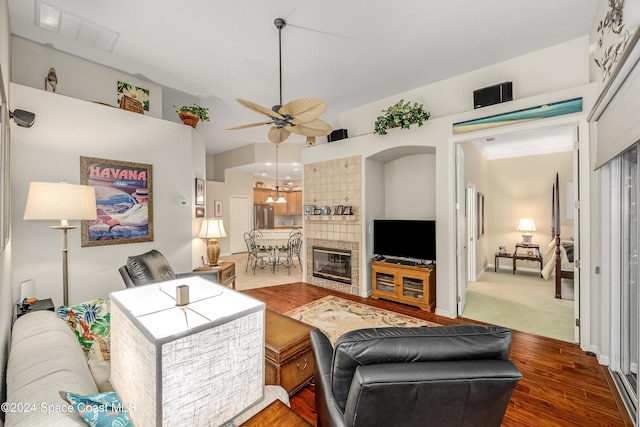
{"x": 626, "y": 303}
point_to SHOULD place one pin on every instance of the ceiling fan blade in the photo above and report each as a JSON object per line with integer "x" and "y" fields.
{"x": 315, "y": 127}
{"x": 304, "y": 110}
{"x": 278, "y": 135}
{"x": 250, "y": 125}
{"x": 259, "y": 109}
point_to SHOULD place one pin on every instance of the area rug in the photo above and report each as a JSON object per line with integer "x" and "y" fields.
{"x": 334, "y": 316}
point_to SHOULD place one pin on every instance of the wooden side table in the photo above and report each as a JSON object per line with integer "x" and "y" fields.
{"x": 226, "y": 270}
{"x": 532, "y": 254}
{"x": 41, "y": 304}
{"x": 277, "y": 414}
{"x": 498, "y": 256}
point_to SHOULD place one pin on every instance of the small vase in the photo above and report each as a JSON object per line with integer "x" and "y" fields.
{"x": 189, "y": 119}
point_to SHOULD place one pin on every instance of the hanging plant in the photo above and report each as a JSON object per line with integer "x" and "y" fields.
{"x": 190, "y": 114}
{"x": 401, "y": 115}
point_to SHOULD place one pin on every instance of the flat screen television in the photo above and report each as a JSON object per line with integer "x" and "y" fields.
{"x": 414, "y": 239}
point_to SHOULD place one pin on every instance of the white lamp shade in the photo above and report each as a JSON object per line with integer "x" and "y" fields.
{"x": 212, "y": 229}
{"x": 281, "y": 199}
{"x": 60, "y": 201}
{"x": 526, "y": 224}
{"x": 199, "y": 364}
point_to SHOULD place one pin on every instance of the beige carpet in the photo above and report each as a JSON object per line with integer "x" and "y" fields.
{"x": 334, "y": 316}
{"x": 525, "y": 303}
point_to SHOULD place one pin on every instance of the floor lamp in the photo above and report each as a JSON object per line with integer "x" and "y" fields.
{"x": 64, "y": 202}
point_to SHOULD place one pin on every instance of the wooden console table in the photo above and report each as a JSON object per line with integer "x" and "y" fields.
{"x": 226, "y": 272}
{"x": 498, "y": 256}
{"x": 530, "y": 248}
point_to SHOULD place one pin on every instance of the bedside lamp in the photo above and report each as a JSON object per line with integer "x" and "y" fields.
{"x": 212, "y": 229}
{"x": 64, "y": 202}
{"x": 526, "y": 225}
{"x": 186, "y": 352}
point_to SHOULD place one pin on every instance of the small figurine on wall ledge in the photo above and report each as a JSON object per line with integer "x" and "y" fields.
{"x": 52, "y": 79}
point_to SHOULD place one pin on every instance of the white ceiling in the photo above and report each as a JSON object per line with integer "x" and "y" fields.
{"x": 348, "y": 53}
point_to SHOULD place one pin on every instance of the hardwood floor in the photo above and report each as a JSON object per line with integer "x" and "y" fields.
{"x": 560, "y": 386}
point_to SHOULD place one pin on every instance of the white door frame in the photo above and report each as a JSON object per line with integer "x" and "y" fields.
{"x": 582, "y": 163}
{"x": 472, "y": 230}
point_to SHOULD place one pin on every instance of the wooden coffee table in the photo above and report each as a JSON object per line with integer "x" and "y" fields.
{"x": 277, "y": 414}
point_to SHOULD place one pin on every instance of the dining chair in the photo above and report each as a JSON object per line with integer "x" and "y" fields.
{"x": 285, "y": 255}
{"x": 258, "y": 255}
{"x": 256, "y": 233}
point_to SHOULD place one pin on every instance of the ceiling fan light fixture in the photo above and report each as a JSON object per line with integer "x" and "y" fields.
{"x": 300, "y": 116}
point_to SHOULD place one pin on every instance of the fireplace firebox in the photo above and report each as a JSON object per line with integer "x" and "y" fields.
{"x": 332, "y": 264}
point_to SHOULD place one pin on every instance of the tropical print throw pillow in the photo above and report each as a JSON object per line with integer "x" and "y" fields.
{"x": 88, "y": 320}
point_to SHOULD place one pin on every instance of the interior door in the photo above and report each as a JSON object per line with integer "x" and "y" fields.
{"x": 471, "y": 230}
{"x": 575, "y": 209}
{"x": 461, "y": 230}
{"x": 239, "y": 220}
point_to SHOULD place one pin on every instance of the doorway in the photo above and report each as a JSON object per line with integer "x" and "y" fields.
{"x": 504, "y": 207}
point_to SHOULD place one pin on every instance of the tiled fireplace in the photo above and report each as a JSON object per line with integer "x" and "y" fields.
{"x": 334, "y": 183}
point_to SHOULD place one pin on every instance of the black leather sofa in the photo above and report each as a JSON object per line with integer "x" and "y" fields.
{"x": 153, "y": 267}
{"x": 457, "y": 375}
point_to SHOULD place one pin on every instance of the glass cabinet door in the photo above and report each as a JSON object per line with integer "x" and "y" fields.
{"x": 413, "y": 287}
{"x": 384, "y": 282}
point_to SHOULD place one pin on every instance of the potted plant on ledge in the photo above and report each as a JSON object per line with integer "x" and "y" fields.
{"x": 401, "y": 115}
{"x": 191, "y": 114}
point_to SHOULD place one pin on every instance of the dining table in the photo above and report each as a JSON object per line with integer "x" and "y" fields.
{"x": 272, "y": 246}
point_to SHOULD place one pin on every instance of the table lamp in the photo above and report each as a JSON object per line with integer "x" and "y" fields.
{"x": 64, "y": 202}
{"x": 186, "y": 352}
{"x": 212, "y": 229}
{"x": 526, "y": 225}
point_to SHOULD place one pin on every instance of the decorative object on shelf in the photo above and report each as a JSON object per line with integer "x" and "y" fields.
{"x": 348, "y": 210}
{"x": 137, "y": 93}
{"x": 300, "y": 116}
{"x": 260, "y": 184}
{"x": 401, "y": 115}
{"x": 199, "y": 192}
{"x": 64, "y": 202}
{"x": 526, "y": 225}
{"x": 209, "y": 351}
{"x": 326, "y": 210}
{"x": 538, "y": 112}
{"x": 339, "y": 210}
{"x": 191, "y": 114}
{"x": 124, "y": 197}
{"x": 51, "y": 79}
{"x": 317, "y": 211}
{"x": 309, "y": 209}
{"x": 131, "y": 104}
{"x": 199, "y": 212}
{"x": 212, "y": 229}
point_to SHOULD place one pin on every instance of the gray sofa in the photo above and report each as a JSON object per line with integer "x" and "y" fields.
{"x": 46, "y": 358}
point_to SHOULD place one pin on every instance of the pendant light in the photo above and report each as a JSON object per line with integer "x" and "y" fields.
{"x": 279, "y": 199}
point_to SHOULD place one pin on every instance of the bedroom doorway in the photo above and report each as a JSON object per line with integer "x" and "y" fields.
{"x": 475, "y": 176}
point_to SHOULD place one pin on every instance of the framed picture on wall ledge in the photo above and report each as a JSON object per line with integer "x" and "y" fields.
{"x": 217, "y": 208}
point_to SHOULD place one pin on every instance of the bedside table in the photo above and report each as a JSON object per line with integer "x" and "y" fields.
{"x": 226, "y": 270}
{"x": 41, "y": 304}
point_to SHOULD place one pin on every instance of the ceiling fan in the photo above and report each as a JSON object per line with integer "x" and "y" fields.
{"x": 300, "y": 116}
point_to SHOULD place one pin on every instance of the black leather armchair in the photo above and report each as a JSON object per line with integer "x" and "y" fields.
{"x": 153, "y": 267}
{"x": 455, "y": 375}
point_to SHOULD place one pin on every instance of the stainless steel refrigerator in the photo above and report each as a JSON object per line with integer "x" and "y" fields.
{"x": 263, "y": 216}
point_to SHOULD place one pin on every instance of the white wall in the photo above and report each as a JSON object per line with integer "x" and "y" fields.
{"x": 67, "y": 128}
{"x": 77, "y": 77}
{"x": 410, "y": 187}
{"x": 550, "y": 75}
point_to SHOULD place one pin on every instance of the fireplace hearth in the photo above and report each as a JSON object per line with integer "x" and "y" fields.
{"x": 332, "y": 264}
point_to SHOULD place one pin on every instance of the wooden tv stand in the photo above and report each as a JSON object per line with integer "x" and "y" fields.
{"x": 404, "y": 283}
